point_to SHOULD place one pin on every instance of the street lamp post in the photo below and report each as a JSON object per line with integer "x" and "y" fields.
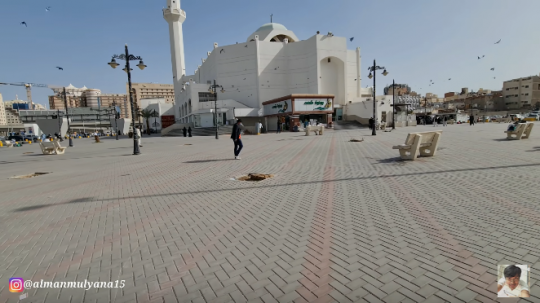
{"x": 128, "y": 57}
{"x": 372, "y": 69}
{"x": 213, "y": 90}
{"x": 67, "y": 117}
{"x": 393, "y": 104}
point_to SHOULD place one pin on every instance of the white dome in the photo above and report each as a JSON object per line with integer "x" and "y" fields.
{"x": 271, "y": 26}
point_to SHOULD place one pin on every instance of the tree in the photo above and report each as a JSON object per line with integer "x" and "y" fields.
{"x": 147, "y": 114}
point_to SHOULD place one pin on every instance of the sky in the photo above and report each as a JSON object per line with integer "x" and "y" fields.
{"x": 415, "y": 40}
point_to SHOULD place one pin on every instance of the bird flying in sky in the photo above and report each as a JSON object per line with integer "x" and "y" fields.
{"x": 493, "y": 68}
{"x": 24, "y": 24}
{"x": 483, "y": 56}
{"x": 494, "y": 77}
{"x": 478, "y": 57}
{"x": 498, "y": 41}
{"x": 48, "y": 8}
{"x": 59, "y": 68}
{"x": 449, "y": 78}
{"x": 352, "y": 38}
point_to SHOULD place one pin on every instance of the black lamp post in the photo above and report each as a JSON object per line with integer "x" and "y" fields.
{"x": 213, "y": 90}
{"x": 128, "y": 57}
{"x": 393, "y": 104}
{"x": 115, "y": 119}
{"x": 67, "y": 117}
{"x": 372, "y": 70}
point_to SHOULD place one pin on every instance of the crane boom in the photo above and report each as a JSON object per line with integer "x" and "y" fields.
{"x": 28, "y": 89}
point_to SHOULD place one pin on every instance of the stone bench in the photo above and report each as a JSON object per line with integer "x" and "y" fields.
{"x": 50, "y": 148}
{"x": 318, "y": 129}
{"x": 522, "y": 131}
{"x": 421, "y": 143}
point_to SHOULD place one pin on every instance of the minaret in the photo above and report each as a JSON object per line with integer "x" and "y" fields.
{"x": 175, "y": 16}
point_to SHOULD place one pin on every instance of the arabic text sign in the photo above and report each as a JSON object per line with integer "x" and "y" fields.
{"x": 310, "y": 105}
{"x": 278, "y": 108}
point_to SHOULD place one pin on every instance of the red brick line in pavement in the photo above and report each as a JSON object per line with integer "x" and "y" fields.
{"x": 51, "y": 271}
{"x": 316, "y": 282}
{"x": 460, "y": 257}
{"x": 120, "y": 201}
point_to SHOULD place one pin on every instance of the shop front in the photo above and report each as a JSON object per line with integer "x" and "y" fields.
{"x": 294, "y": 109}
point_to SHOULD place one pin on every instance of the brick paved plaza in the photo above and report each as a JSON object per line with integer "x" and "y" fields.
{"x": 339, "y": 222}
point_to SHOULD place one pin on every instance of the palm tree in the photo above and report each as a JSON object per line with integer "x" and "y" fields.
{"x": 147, "y": 114}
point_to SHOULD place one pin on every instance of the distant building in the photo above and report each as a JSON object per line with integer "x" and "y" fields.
{"x": 522, "y": 92}
{"x": 11, "y": 110}
{"x": 151, "y": 91}
{"x": 3, "y": 120}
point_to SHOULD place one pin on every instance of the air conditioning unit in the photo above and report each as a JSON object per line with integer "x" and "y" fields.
{"x": 215, "y": 45}
{"x": 256, "y": 37}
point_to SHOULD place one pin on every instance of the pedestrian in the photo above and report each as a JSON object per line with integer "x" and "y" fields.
{"x": 471, "y": 120}
{"x": 43, "y": 137}
{"x": 434, "y": 121}
{"x": 184, "y": 131}
{"x": 371, "y": 123}
{"x": 444, "y": 121}
{"x": 259, "y": 125}
{"x": 236, "y": 136}
{"x": 138, "y": 134}
{"x": 278, "y": 126}
{"x": 189, "y": 131}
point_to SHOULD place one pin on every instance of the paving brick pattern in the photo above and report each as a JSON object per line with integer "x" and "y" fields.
{"x": 339, "y": 222}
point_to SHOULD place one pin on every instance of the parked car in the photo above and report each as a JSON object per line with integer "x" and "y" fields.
{"x": 535, "y": 116}
{"x": 17, "y": 138}
{"x": 31, "y": 137}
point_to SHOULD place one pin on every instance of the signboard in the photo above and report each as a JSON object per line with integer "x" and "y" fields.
{"x": 313, "y": 105}
{"x": 277, "y": 108}
{"x": 167, "y": 121}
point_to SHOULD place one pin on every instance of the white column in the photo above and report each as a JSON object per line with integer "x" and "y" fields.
{"x": 175, "y": 16}
{"x": 358, "y": 73}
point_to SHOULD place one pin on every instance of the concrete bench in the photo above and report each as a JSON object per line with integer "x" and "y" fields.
{"x": 51, "y": 148}
{"x": 421, "y": 143}
{"x": 318, "y": 129}
{"x": 522, "y": 131}
{"x": 7, "y": 144}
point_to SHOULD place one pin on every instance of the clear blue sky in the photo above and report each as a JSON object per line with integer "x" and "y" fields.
{"x": 416, "y": 40}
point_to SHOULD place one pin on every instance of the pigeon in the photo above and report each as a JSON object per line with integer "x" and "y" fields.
{"x": 352, "y": 38}
{"x": 498, "y": 41}
{"x": 244, "y": 78}
{"x": 24, "y": 24}
{"x": 493, "y": 68}
{"x": 354, "y": 79}
{"x": 48, "y": 8}
{"x": 246, "y": 45}
{"x": 483, "y": 56}
{"x": 221, "y": 50}
{"x": 449, "y": 79}
{"x": 59, "y": 68}
{"x": 478, "y": 57}
{"x": 494, "y": 77}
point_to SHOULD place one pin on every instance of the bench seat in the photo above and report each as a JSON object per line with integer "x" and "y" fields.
{"x": 421, "y": 143}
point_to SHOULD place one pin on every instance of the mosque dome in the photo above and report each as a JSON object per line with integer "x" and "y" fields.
{"x": 273, "y": 32}
{"x": 271, "y": 26}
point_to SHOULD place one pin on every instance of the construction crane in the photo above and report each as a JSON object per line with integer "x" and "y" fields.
{"x": 28, "y": 89}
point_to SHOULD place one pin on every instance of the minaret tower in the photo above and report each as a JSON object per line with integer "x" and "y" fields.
{"x": 175, "y": 16}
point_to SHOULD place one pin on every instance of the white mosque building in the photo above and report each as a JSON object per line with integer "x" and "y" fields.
{"x": 273, "y": 73}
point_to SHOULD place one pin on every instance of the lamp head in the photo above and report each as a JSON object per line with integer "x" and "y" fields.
{"x": 113, "y": 63}
{"x": 222, "y": 90}
{"x": 385, "y": 73}
{"x": 125, "y": 69}
{"x": 370, "y": 76}
{"x": 141, "y": 65}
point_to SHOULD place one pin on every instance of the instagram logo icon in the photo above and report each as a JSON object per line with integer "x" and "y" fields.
{"x": 16, "y": 284}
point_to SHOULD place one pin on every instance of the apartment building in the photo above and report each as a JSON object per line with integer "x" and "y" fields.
{"x": 151, "y": 91}
{"x": 3, "y": 120}
{"x": 522, "y": 92}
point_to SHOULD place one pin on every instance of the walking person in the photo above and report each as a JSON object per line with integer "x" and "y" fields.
{"x": 138, "y": 133}
{"x": 471, "y": 120}
{"x": 371, "y": 123}
{"x": 236, "y": 136}
{"x": 434, "y": 121}
{"x": 278, "y": 126}
{"x": 184, "y": 130}
{"x": 259, "y": 125}
{"x": 189, "y": 131}
{"x": 444, "y": 121}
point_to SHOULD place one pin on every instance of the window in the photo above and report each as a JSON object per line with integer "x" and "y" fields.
{"x": 526, "y": 86}
{"x": 206, "y": 97}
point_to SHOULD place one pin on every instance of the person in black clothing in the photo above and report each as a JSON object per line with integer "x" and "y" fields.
{"x": 189, "y": 131}
{"x": 278, "y": 125}
{"x": 371, "y": 122}
{"x": 471, "y": 120}
{"x": 237, "y": 138}
{"x": 184, "y": 131}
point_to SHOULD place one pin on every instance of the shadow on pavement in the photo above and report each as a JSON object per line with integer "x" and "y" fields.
{"x": 211, "y": 160}
{"x": 40, "y": 206}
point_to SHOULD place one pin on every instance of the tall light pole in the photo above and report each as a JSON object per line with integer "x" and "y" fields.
{"x": 213, "y": 90}
{"x": 393, "y": 104}
{"x": 128, "y": 57}
{"x": 115, "y": 118}
{"x": 372, "y": 70}
{"x": 67, "y": 117}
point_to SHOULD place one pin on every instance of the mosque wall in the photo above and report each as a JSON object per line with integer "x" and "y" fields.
{"x": 351, "y": 77}
{"x": 302, "y": 67}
